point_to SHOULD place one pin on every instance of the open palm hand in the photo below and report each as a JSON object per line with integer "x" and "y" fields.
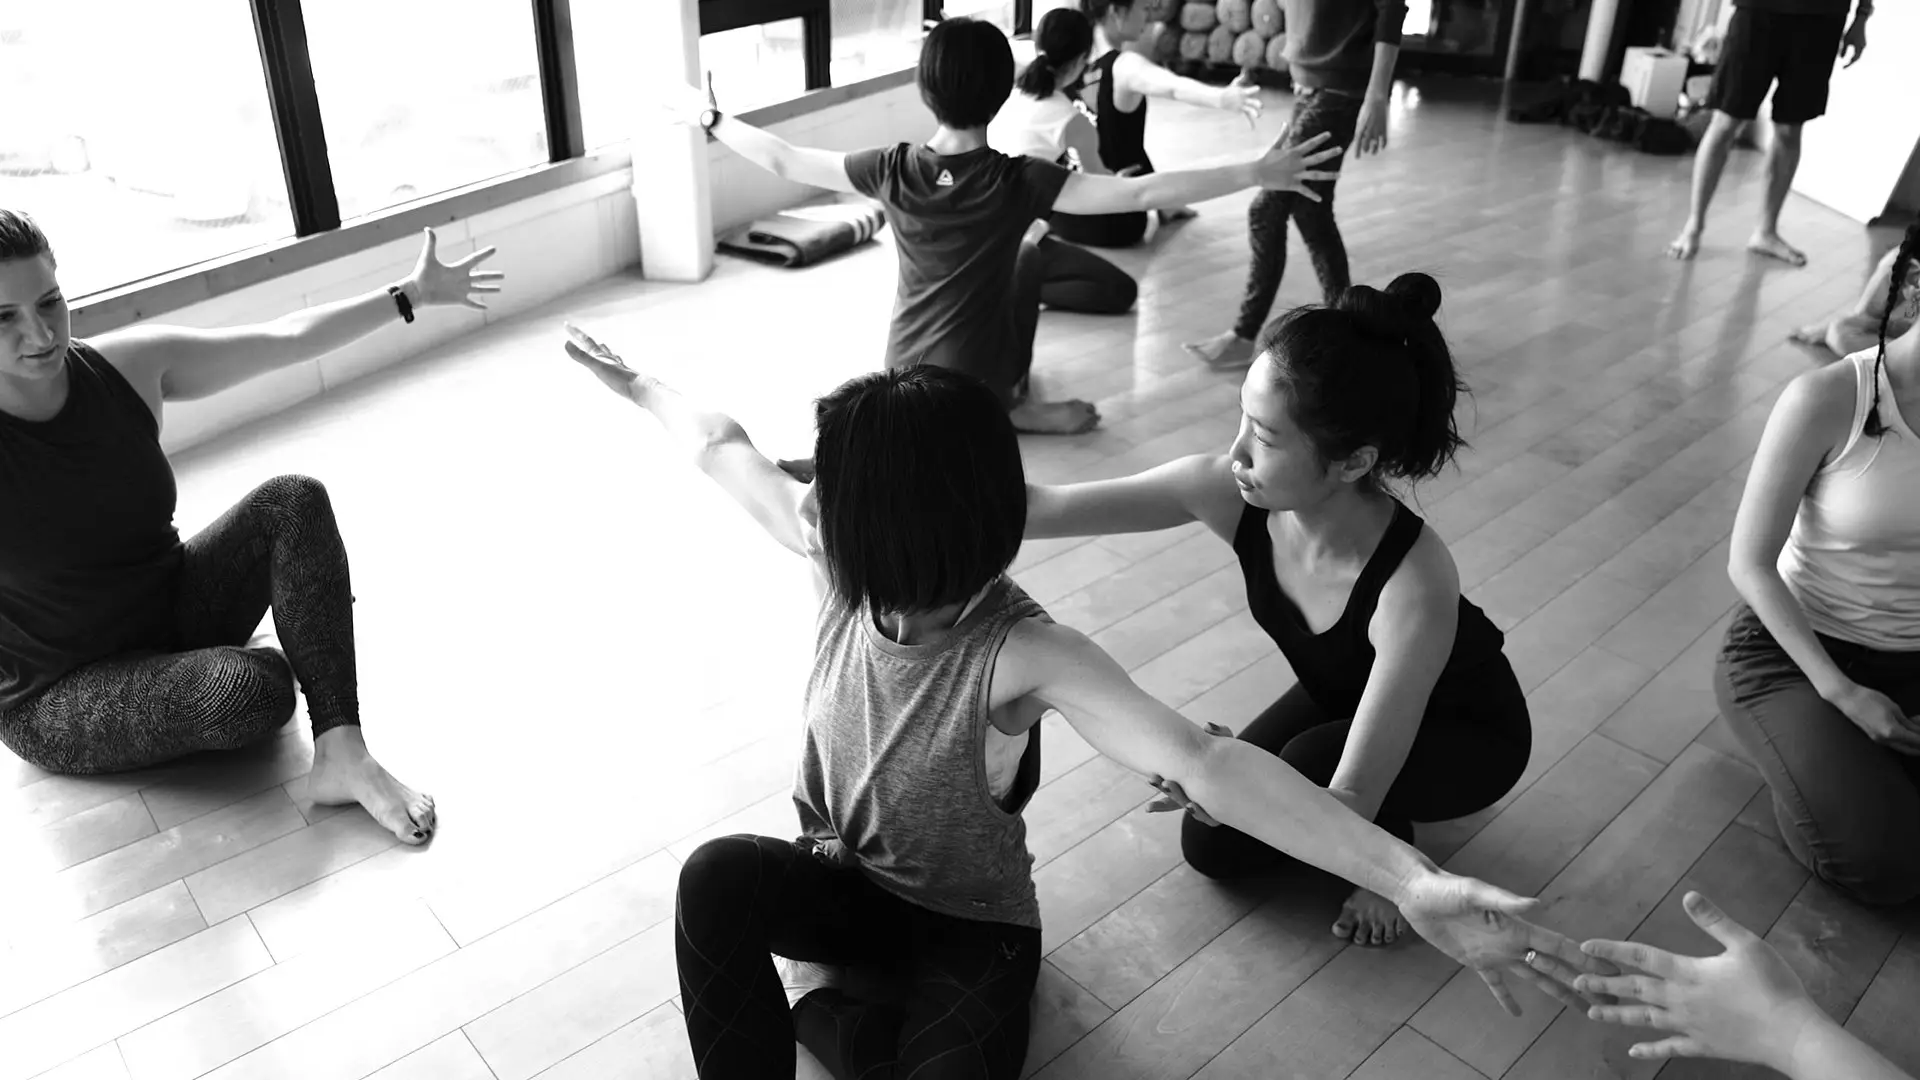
{"x": 455, "y": 283}
{"x": 1479, "y": 926}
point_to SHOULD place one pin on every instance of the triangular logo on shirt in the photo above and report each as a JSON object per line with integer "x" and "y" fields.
{"x": 946, "y": 179}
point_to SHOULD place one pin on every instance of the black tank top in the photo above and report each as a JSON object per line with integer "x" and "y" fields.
{"x": 1333, "y": 667}
{"x": 88, "y": 550}
{"x": 1123, "y": 135}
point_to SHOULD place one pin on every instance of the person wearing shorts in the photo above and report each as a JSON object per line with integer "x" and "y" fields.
{"x": 1788, "y": 47}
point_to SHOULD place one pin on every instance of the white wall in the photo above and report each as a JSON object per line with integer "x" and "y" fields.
{"x": 548, "y": 245}
{"x": 1852, "y": 159}
{"x": 743, "y": 191}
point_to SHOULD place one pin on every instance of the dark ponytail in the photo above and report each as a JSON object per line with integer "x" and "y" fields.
{"x": 1902, "y": 266}
{"x": 1064, "y": 36}
{"x": 1372, "y": 369}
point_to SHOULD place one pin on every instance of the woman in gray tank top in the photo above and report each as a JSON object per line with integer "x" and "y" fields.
{"x": 931, "y": 670}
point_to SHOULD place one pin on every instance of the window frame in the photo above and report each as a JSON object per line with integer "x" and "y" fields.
{"x": 319, "y": 236}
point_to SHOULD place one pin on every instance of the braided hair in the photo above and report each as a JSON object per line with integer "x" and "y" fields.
{"x": 1902, "y": 265}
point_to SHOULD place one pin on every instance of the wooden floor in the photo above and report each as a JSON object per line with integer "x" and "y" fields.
{"x": 594, "y": 662}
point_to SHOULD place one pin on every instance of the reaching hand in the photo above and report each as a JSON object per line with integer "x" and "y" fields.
{"x": 605, "y": 364}
{"x": 1289, "y": 168}
{"x": 1242, "y": 95}
{"x": 1875, "y": 713}
{"x": 1745, "y": 1004}
{"x": 1478, "y": 926}
{"x": 445, "y": 284}
{"x": 1853, "y": 41}
{"x": 1370, "y": 131}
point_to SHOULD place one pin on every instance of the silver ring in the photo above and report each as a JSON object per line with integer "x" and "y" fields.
{"x": 1530, "y": 955}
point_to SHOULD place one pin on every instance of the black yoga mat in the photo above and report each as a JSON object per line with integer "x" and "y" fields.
{"x": 805, "y": 235}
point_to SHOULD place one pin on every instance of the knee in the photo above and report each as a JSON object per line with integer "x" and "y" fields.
{"x": 1206, "y": 849}
{"x": 238, "y": 696}
{"x": 1786, "y": 137}
{"x": 1880, "y": 870}
{"x": 720, "y": 872}
{"x": 302, "y": 496}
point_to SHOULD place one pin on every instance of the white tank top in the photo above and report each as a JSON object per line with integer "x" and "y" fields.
{"x": 1030, "y": 126}
{"x": 1853, "y": 557}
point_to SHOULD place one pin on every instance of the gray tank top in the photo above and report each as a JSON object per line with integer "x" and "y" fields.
{"x": 893, "y": 778}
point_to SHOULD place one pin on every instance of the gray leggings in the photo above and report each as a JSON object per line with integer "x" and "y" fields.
{"x": 1848, "y": 808}
{"x": 199, "y": 687}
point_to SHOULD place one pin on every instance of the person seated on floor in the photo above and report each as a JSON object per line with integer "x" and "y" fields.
{"x": 931, "y": 671}
{"x": 1116, "y": 87}
{"x": 1859, "y": 328}
{"x": 961, "y": 210}
{"x": 1040, "y": 121}
{"x": 1406, "y": 708}
{"x": 122, "y": 647}
{"x": 1746, "y": 1004}
{"x": 1819, "y": 674}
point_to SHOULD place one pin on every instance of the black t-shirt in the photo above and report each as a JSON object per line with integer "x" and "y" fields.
{"x": 957, "y": 220}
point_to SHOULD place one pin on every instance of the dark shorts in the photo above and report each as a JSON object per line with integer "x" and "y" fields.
{"x": 1765, "y": 47}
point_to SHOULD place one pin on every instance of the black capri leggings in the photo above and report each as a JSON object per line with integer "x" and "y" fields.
{"x": 1471, "y": 749}
{"x": 745, "y": 898}
{"x": 197, "y": 686}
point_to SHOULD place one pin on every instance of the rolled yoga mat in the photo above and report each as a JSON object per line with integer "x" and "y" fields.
{"x": 806, "y": 234}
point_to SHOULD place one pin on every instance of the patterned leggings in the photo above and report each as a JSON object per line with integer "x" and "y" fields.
{"x": 1314, "y": 111}
{"x": 202, "y": 688}
{"x": 743, "y": 899}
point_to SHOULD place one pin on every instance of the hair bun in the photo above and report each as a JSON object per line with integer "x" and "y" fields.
{"x": 1419, "y": 292}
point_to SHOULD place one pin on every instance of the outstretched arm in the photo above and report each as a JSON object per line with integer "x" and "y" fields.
{"x": 1163, "y": 497}
{"x": 1148, "y": 79}
{"x": 1261, "y": 795}
{"x": 801, "y": 164}
{"x": 1282, "y": 167}
{"x": 180, "y": 363}
{"x": 715, "y": 441}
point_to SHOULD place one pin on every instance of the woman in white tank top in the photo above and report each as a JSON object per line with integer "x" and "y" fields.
{"x": 1819, "y": 676}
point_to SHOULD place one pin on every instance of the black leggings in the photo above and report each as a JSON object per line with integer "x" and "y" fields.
{"x": 1314, "y": 111}
{"x": 1066, "y": 278}
{"x": 744, "y": 898}
{"x": 1468, "y": 754}
{"x": 1100, "y": 230}
{"x": 198, "y": 687}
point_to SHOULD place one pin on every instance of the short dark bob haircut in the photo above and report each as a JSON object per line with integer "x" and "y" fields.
{"x": 966, "y": 72}
{"x": 922, "y": 493}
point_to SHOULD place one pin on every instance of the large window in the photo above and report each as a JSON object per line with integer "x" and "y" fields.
{"x": 874, "y": 37}
{"x": 138, "y": 134}
{"x": 422, "y": 96}
{"x": 757, "y": 65}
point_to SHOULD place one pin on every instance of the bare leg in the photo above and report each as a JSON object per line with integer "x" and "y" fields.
{"x": 1783, "y": 160}
{"x": 1860, "y": 326}
{"x": 1709, "y": 161}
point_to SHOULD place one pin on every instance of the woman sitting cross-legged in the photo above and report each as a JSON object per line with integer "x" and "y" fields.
{"x": 1406, "y": 708}
{"x": 1819, "y": 676}
{"x": 1040, "y": 121}
{"x": 931, "y": 670}
{"x": 121, "y": 646}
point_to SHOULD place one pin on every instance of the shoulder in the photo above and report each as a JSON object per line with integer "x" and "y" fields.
{"x": 1127, "y": 62}
{"x": 141, "y": 354}
{"x": 1037, "y": 647}
{"x": 1205, "y": 483}
{"x": 1821, "y": 404}
{"x": 1423, "y": 591}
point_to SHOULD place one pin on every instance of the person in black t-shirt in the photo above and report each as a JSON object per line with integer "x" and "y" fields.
{"x": 960, "y": 211}
{"x": 1788, "y": 46}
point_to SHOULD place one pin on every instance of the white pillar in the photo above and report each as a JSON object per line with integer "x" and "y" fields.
{"x": 672, "y": 193}
{"x": 1600, "y": 22}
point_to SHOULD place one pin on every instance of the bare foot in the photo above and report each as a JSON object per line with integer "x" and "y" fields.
{"x": 1054, "y": 417}
{"x": 1222, "y": 350}
{"x": 1686, "y": 245}
{"x": 1812, "y": 335}
{"x": 1369, "y": 919}
{"x": 802, "y": 977}
{"x": 1770, "y": 245}
{"x": 343, "y": 772}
